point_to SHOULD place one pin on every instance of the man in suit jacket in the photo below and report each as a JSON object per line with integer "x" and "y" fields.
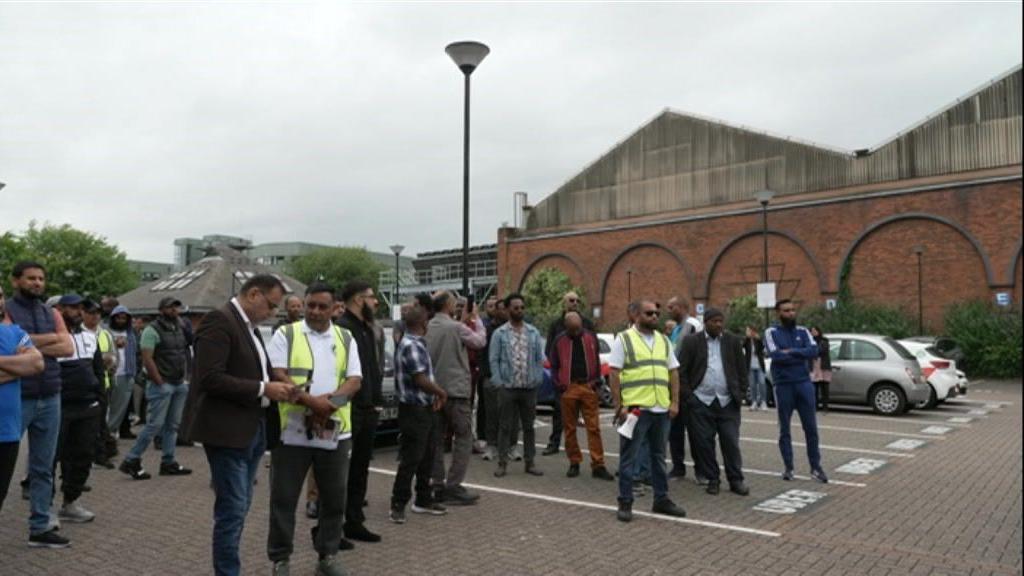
{"x": 235, "y": 418}
{"x": 713, "y": 384}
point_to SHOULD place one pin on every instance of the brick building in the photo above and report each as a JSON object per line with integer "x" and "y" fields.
{"x": 671, "y": 210}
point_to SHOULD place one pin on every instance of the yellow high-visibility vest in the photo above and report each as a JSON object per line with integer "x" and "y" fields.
{"x": 105, "y": 340}
{"x": 300, "y": 368}
{"x": 645, "y": 378}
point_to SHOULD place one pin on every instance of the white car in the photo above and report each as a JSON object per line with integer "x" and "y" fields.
{"x": 941, "y": 373}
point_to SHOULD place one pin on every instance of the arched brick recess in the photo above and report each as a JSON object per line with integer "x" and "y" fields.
{"x": 739, "y": 266}
{"x": 562, "y": 262}
{"x": 657, "y": 273}
{"x": 952, "y": 268}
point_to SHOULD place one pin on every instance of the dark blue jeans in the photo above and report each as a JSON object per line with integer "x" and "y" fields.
{"x": 653, "y": 428}
{"x": 232, "y": 471}
{"x": 799, "y": 396}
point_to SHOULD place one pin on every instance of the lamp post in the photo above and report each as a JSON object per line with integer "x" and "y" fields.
{"x": 467, "y": 56}
{"x": 919, "y": 252}
{"x": 396, "y": 249}
{"x": 764, "y": 197}
{"x": 629, "y": 285}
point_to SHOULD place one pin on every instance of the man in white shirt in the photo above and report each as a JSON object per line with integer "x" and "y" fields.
{"x": 317, "y": 428}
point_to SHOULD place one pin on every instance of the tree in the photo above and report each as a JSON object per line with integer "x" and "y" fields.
{"x": 75, "y": 260}
{"x": 336, "y": 266}
{"x": 743, "y": 311}
{"x": 12, "y": 250}
{"x": 543, "y": 291}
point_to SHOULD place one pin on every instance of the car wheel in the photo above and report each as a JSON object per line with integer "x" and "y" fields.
{"x": 888, "y": 400}
{"x": 932, "y": 401}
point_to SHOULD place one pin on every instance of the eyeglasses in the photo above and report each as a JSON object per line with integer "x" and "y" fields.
{"x": 651, "y": 313}
{"x": 572, "y": 300}
{"x": 270, "y": 304}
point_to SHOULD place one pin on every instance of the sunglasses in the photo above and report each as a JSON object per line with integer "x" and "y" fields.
{"x": 651, "y": 313}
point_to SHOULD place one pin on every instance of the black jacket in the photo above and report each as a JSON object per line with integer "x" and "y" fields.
{"x": 758, "y": 348}
{"x": 693, "y": 363}
{"x": 82, "y": 375}
{"x": 823, "y": 352}
{"x": 370, "y": 393}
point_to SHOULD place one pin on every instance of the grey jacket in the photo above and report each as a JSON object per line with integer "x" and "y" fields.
{"x": 447, "y": 340}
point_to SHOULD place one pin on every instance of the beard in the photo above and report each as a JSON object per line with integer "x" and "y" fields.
{"x": 367, "y": 314}
{"x": 789, "y": 322}
{"x": 119, "y": 325}
{"x": 73, "y": 323}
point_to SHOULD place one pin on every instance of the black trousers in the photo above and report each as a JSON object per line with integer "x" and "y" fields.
{"x": 517, "y": 405}
{"x": 76, "y": 447}
{"x": 555, "y": 439}
{"x": 707, "y": 422}
{"x": 364, "y": 428}
{"x": 106, "y": 445}
{"x": 821, "y": 388}
{"x": 420, "y": 427}
{"x": 8, "y": 458}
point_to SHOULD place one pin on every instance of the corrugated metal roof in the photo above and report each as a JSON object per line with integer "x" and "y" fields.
{"x": 680, "y": 161}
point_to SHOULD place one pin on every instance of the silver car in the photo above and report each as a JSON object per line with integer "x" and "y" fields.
{"x": 876, "y": 371}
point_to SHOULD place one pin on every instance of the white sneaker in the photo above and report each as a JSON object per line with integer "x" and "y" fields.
{"x": 489, "y": 453}
{"x": 76, "y": 513}
{"x": 516, "y": 454}
{"x": 764, "y": 406}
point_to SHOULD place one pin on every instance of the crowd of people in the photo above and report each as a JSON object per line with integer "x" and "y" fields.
{"x": 312, "y": 395}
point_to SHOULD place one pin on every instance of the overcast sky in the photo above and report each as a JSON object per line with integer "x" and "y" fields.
{"x": 342, "y": 124}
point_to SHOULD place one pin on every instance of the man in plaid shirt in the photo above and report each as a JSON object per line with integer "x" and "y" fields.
{"x": 420, "y": 401}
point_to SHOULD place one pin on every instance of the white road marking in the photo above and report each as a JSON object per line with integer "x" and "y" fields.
{"x": 960, "y": 420}
{"x": 606, "y": 507}
{"x": 977, "y": 412}
{"x": 831, "y": 447}
{"x": 906, "y": 444}
{"x": 890, "y": 419}
{"x": 841, "y": 429}
{"x": 935, "y": 430}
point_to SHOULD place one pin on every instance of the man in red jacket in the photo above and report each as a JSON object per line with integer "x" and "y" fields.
{"x": 576, "y": 371}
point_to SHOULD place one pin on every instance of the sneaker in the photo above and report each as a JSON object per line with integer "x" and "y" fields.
{"x": 330, "y": 566}
{"x": 713, "y": 488}
{"x": 397, "y": 515}
{"x": 574, "y": 471}
{"x": 134, "y": 469}
{"x": 668, "y": 508}
{"x": 625, "y": 512}
{"x": 787, "y": 475}
{"x": 490, "y": 453}
{"x": 312, "y": 509}
{"x": 48, "y": 539}
{"x": 515, "y": 454}
{"x": 75, "y": 513}
{"x": 819, "y": 475}
{"x": 174, "y": 469}
{"x": 459, "y": 496}
{"x": 764, "y": 406}
{"x": 601, "y": 473}
{"x": 281, "y": 568}
{"x": 431, "y": 508}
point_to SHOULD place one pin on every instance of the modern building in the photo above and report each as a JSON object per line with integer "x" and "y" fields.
{"x": 150, "y": 271}
{"x": 671, "y": 210}
{"x": 442, "y": 270}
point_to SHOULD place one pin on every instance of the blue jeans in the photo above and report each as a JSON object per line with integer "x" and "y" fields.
{"x": 41, "y": 418}
{"x": 799, "y": 396}
{"x": 232, "y": 471}
{"x": 641, "y": 464}
{"x": 165, "y": 403}
{"x": 652, "y": 430}
{"x": 758, "y": 390}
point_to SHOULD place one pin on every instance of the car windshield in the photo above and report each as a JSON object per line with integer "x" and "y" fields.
{"x": 603, "y": 345}
{"x": 900, "y": 349}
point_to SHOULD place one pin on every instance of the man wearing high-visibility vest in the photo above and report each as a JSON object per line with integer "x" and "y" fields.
{"x": 645, "y": 390}
{"x": 322, "y": 361}
{"x": 106, "y": 446}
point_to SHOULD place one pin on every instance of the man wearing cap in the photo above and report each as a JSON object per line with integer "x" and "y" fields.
{"x": 81, "y": 375}
{"x": 164, "y": 356}
{"x": 106, "y": 446}
{"x": 712, "y": 384}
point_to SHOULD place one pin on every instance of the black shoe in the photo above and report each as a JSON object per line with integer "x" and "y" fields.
{"x": 129, "y": 435}
{"x": 625, "y": 513}
{"x": 49, "y": 539}
{"x": 739, "y": 488}
{"x": 312, "y": 509}
{"x": 459, "y": 496}
{"x": 360, "y": 533}
{"x": 134, "y": 469}
{"x": 345, "y": 544}
{"x": 549, "y": 450}
{"x": 819, "y": 475}
{"x": 677, "y": 473}
{"x": 105, "y": 463}
{"x": 174, "y": 469}
{"x": 668, "y": 508}
{"x": 574, "y": 471}
{"x": 601, "y": 473}
{"x": 532, "y": 470}
{"x": 184, "y": 444}
{"x": 713, "y": 488}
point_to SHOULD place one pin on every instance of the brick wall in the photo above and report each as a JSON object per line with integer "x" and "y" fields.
{"x": 717, "y": 258}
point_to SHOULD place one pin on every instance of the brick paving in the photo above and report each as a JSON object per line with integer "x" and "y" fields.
{"x": 954, "y": 507}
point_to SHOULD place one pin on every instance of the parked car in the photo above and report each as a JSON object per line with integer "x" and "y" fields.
{"x": 874, "y": 371}
{"x": 940, "y": 373}
{"x": 387, "y": 422}
{"x": 945, "y": 347}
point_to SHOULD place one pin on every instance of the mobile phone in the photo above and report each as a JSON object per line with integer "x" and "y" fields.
{"x": 470, "y": 303}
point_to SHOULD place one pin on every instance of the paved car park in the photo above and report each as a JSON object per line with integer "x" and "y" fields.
{"x": 929, "y": 492}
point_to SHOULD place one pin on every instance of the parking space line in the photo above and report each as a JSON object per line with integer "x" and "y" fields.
{"x": 753, "y": 471}
{"x": 606, "y": 507}
{"x": 845, "y": 429}
{"x": 890, "y": 419}
{"x": 831, "y": 447}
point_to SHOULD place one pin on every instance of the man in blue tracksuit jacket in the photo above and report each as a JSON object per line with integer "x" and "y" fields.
{"x": 791, "y": 348}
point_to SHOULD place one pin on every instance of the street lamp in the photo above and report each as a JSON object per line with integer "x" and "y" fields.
{"x": 629, "y": 286}
{"x": 764, "y": 197}
{"x": 467, "y": 56}
{"x": 919, "y": 252}
{"x": 396, "y": 249}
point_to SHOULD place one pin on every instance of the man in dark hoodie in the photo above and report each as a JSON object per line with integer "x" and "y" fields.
{"x": 126, "y": 342}
{"x": 81, "y": 376}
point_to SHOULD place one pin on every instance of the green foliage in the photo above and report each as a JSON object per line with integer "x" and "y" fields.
{"x": 989, "y": 336}
{"x": 860, "y": 318}
{"x": 336, "y": 266}
{"x": 543, "y": 292}
{"x": 75, "y": 260}
{"x": 741, "y": 312}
